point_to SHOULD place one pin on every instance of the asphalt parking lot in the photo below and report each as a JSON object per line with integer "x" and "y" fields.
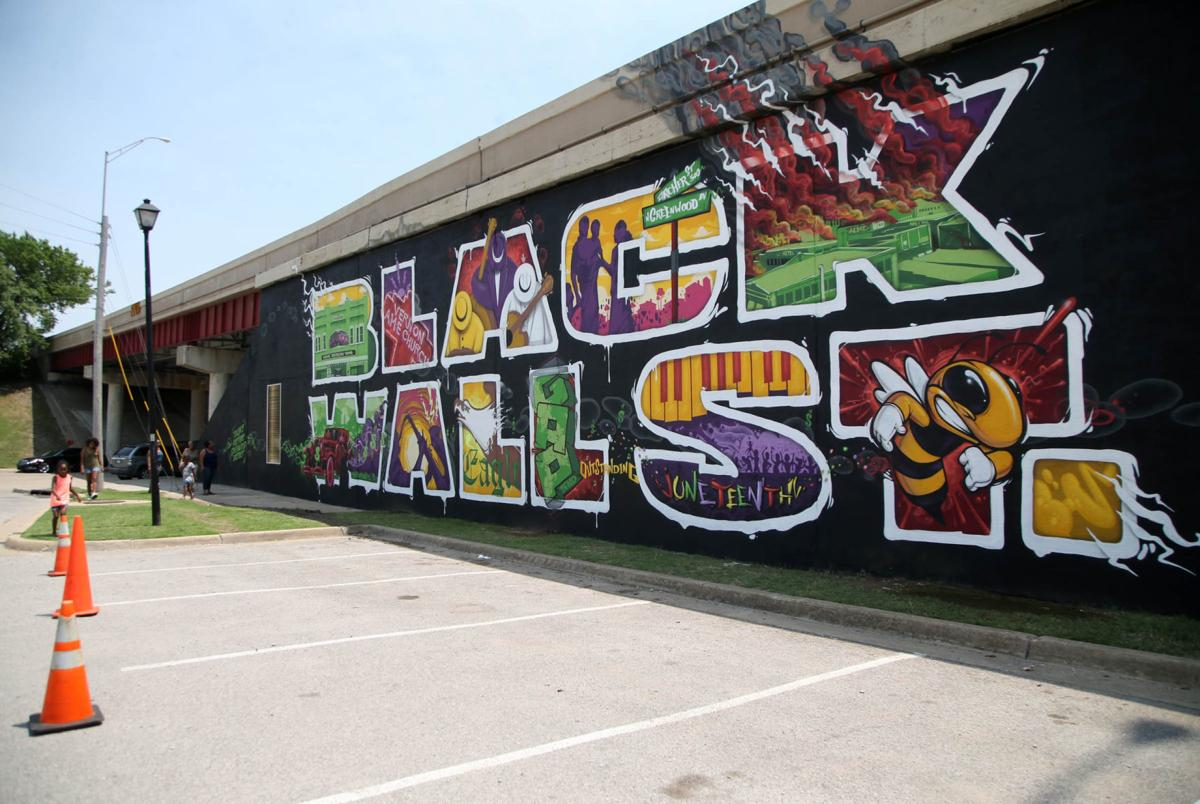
{"x": 345, "y": 668}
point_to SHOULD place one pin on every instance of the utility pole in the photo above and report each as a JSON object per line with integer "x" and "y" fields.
{"x": 101, "y": 289}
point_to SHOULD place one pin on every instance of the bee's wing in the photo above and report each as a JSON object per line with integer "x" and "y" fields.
{"x": 890, "y": 382}
{"x": 916, "y": 376}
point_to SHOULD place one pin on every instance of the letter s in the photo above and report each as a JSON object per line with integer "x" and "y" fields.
{"x": 695, "y": 398}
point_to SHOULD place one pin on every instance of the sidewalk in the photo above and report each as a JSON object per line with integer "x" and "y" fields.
{"x": 19, "y": 509}
{"x": 222, "y": 495}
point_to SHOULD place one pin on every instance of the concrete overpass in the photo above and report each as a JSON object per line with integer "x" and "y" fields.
{"x": 201, "y": 326}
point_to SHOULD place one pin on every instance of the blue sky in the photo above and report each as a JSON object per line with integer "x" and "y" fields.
{"x": 279, "y": 113}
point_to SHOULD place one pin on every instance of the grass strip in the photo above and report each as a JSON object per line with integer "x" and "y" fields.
{"x": 1177, "y": 635}
{"x": 16, "y": 424}
{"x": 179, "y": 518}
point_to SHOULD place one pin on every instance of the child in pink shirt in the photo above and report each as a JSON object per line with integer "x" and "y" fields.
{"x": 60, "y": 488}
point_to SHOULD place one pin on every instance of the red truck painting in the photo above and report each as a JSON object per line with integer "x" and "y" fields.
{"x": 326, "y": 455}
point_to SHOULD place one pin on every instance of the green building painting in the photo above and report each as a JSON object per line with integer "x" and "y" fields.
{"x": 342, "y": 342}
{"x": 930, "y": 246}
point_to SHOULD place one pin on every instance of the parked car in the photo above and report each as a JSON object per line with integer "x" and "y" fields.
{"x": 131, "y": 461}
{"x": 47, "y": 461}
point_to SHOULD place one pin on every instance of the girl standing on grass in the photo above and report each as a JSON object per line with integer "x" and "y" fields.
{"x": 60, "y": 488}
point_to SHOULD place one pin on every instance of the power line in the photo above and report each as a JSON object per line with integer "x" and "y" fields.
{"x": 45, "y": 232}
{"x": 120, "y": 268}
{"x": 45, "y": 217}
{"x": 49, "y": 203}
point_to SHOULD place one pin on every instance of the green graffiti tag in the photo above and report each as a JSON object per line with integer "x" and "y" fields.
{"x": 293, "y": 451}
{"x": 554, "y": 458}
{"x": 241, "y": 442}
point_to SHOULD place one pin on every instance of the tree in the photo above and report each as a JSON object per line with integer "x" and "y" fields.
{"x": 37, "y": 282}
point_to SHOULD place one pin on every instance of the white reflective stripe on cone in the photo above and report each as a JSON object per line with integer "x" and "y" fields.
{"x": 66, "y": 659}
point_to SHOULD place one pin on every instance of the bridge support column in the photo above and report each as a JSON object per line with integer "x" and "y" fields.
{"x": 217, "y": 383}
{"x": 114, "y": 410}
{"x": 218, "y": 364}
{"x": 197, "y": 415}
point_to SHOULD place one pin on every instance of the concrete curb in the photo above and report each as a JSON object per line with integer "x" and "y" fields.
{"x": 37, "y": 545}
{"x": 1141, "y": 664}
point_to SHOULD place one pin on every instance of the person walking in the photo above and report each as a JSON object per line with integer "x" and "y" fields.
{"x": 93, "y": 464}
{"x": 60, "y": 489}
{"x": 208, "y": 462}
{"x": 189, "y": 479}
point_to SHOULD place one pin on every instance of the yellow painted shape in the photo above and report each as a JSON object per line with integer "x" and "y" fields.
{"x": 685, "y": 389}
{"x": 335, "y": 298}
{"x": 658, "y": 410}
{"x": 759, "y": 386}
{"x": 478, "y": 395}
{"x": 777, "y": 382}
{"x": 797, "y": 384}
{"x": 1071, "y": 498}
{"x": 746, "y": 382}
{"x": 698, "y": 408}
{"x": 671, "y": 409}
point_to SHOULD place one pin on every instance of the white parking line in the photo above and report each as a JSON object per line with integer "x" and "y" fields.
{"x": 297, "y": 588}
{"x": 603, "y": 734}
{"x": 260, "y": 563}
{"x": 391, "y": 634}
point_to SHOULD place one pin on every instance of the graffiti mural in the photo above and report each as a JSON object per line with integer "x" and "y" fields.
{"x": 344, "y": 343}
{"x": 491, "y": 468}
{"x": 499, "y": 293}
{"x": 895, "y": 214}
{"x": 604, "y": 303}
{"x": 744, "y": 473}
{"x": 948, "y": 403}
{"x": 900, "y": 324}
{"x": 346, "y": 448}
{"x": 568, "y": 472}
{"x": 408, "y": 338}
{"x": 417, "y": 443}
{"x": 1087, "y": 503}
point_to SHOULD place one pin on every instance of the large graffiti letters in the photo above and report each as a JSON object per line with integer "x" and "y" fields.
{"x": 948, "y": 403}
{"x": 499, "y": 292}
{"x": 751, "y": 474}
{"x": 345, "y": 448}
{"x": 491, "y": 467}
{"x": 603, "y": 302}
{"x": 562, "y": 461}
{"x": 814, "y": 213}
{"x": 1087, "y": 502}
{"x": 409, "y": 339}
{"x": 417, "y": 441}
{"x": 344, "y": 343}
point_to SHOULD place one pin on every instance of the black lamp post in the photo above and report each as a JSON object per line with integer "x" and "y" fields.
{"x": 147, "y": 214}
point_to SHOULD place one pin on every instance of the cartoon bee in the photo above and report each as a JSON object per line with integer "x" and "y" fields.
{"x": 922, "y": 419}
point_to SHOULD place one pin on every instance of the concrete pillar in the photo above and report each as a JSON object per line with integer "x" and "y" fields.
{"x": 218, "y": 364}
{"x": 198, "y": 417}
{"x": 217, "y": 383}
{"x": 113, "y": 412}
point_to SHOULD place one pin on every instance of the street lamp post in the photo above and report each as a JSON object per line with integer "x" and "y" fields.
{"x": 147, "y": 214}
{"x": 98, "y": 327}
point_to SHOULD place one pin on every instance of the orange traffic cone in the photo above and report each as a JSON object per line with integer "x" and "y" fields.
{"x": 68, "y": 705}
{"x": 79, "y": 584}
{"x": 62, "y": 555}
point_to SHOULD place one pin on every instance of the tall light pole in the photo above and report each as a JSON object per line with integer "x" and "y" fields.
{"x": 147, "y": 214}
{"x": 98, "y": 328}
